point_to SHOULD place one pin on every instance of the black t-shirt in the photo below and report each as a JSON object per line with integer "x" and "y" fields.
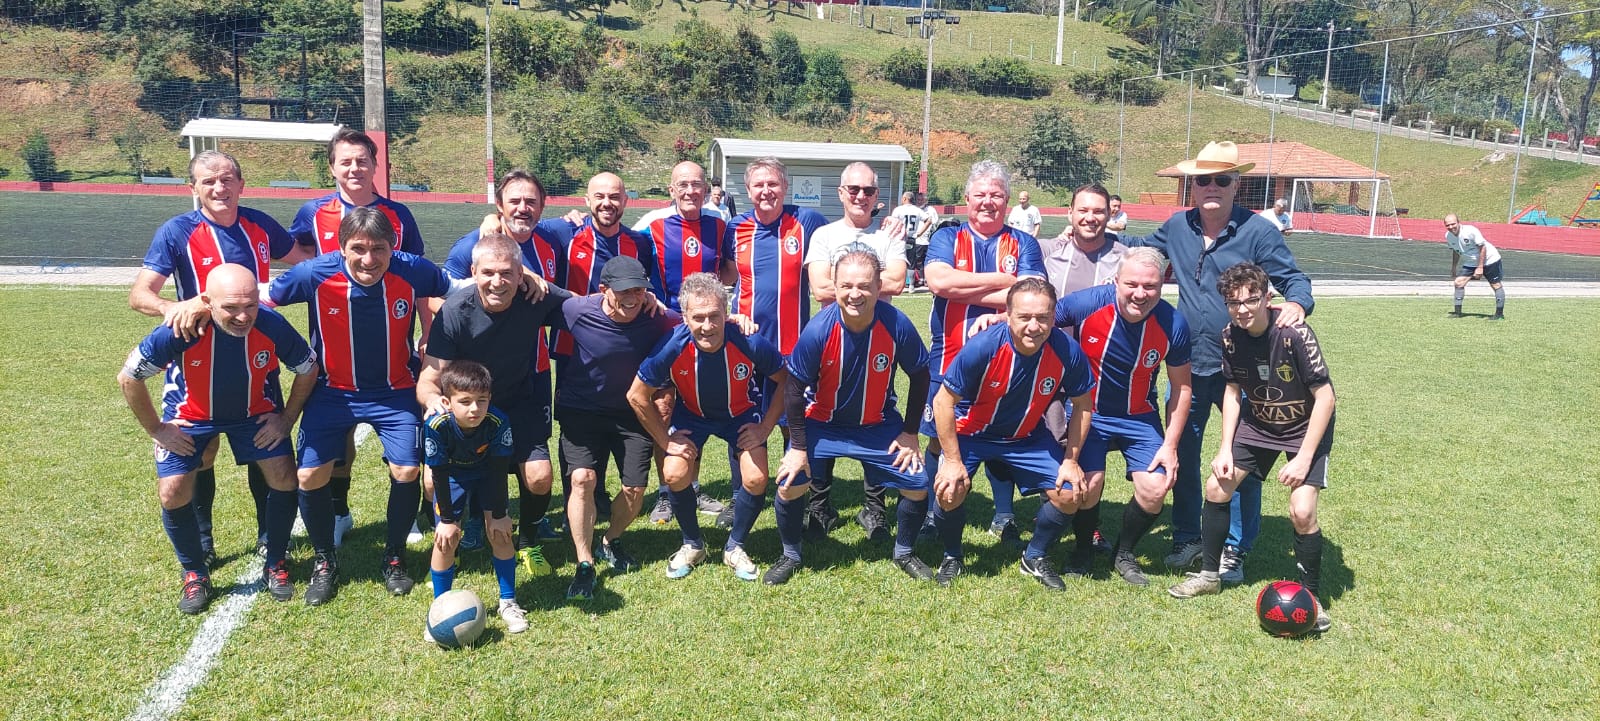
{"x": 506, "y": 342}
{"x": 1277, "y": 372}
{"x": 605, "y": 356}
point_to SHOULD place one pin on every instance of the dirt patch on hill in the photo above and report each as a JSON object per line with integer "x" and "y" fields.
{"x": 22, "y": 93}
{"x": 941, "y": 143}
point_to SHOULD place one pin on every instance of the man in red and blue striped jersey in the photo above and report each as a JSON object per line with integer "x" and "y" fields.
{"x": 765, "y": 248}
{"x": 988, "y": 410}
{"x": 584, "y": 248}
{"x": 223, "y": 381}
{"x": 362, "y": 303}
{"x": 352, "y": 160}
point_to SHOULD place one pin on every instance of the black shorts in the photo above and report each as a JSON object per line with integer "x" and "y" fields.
{"x": 1257, "y": 460}
{"x": 589, "y": 439}
{"x": 1491, "y": 272}
{"x": 530, "y": 428}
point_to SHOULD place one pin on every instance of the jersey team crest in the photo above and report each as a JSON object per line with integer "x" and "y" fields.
{"x": 1047, "y": 386}
{"x": 880, "y": 362}
{"x": 791, "y": 245}
{"x": 261, "y": 358}
{"x": 1151, "y": 358}
{"x": 741, "y": 371}
{"x": 401, "y": 307}
{"x": 1009, "y": 264}
{"x": 691, "y": 247}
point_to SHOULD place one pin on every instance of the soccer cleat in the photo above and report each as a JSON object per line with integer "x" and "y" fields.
{"x": 1128, "y": 567}
{"x": 928, "y": 532}
{"x": 1040, "y": 569}
{"x": 1101, "y": 545}
{"x": 1079, "y": 564}
{"x": 277, "y": 581}
{"x": 211, "y": 561}
{"x": 261, "y": 550}
{"x": 516, "y": 619}
{"x": 612, "y": 552}
{"x": 394, "y": 576}
{"x": 324, "y": 581}
{"x": 195, "y": 595}
{"x": 1324, "y": 622}
{"x": 533, "y": 561}
{"x": 1496, "y": 316}
{"x": 582, "y": 588}
{"x": 821, "y": 521}
{"x": 781, "y": 572}
{"x": 546, "y": 531}
{"x": 662, "y": 513}
{"x": 949, "y": 568}
{"x": 683, "y": 562}
{"x": 414, "y": 535}
{"x": 873, "y": 524}
{"x": 725, "y": 517}
{"x": 1005, "y": 528}
{"x": 1195, "y": 585}
{"x": 1454, "y": 313}
{"x": 914, "y": 567}
{"x": 472, "y": 534}
{"x": 743, "y": 568}
{"x": 1184, "y": 555}
{"x": 708, "y": 505}
{"x": 1232, "y": 565}
{"x": 343, "y": 524}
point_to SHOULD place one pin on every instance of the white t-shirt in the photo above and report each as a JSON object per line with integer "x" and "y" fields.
{"x": 929, "y": 222}
{"x": 644, "y": 221}
{"x": 1120, "y": 220}
{"x": 1468, "y": 243}
{"x": 912, "y": 216}
{"x": 832, "y": 241}
{"x": 1026, "y": 219}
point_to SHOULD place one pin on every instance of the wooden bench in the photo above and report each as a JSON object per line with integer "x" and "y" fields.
{"x": 1158, "y": 198}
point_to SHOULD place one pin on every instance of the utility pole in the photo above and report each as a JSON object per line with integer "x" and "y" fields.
{"x": 925, "y": 21}
{"x": 488, "y": 102}
{"x": 1327, "y": 66}
{"x": 1061, "y": 24}
{"x": 372, "y": 82}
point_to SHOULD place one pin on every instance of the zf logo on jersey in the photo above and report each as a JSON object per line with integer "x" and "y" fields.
{"x": 691, "y": 246}
{"x": 791, "y": 245}
{"x": 401, "y": 308}
{"x": 741, "y": 372}
{"x": 1009, "y": 264}
{"x": 1151, "y": 358}
{"x": 1047, "y": 386}
{"x": 261, "y": 359}
{"x": 880, "y": 362}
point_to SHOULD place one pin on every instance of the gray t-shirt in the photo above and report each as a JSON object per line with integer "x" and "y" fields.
{"x": 1071, "y": 270}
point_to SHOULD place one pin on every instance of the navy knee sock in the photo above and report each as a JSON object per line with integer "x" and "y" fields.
{"x": 280, "y": 521}
{"x": 403, "y": 498}
{"x": 531, "y": 507}
{"x": 184, "y": 531}
{"x": 258, "y": 494}
{"x": 205, "y": 494}
{"x": 1047, "y": 527}
{"x": 339, "y": 492}
{"x": 1136, "y": 522}
{"x": 1004, "y": 491}
{"x": 821, "y": 485}
{"x": 950, "y": 524}
{"x": 908, "y": 517}
{"x": 791, "y": 523}
{"x": 685, "y": 510}
{"x": 746, "y": 507}
{"x": 1084, "y": 523}
{"x": 316, "y": 509}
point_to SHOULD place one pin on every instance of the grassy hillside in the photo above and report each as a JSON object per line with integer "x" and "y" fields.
{"x": 81, "y": 96}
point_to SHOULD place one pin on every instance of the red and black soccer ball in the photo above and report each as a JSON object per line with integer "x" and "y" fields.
{"x": 1286, "y": 609}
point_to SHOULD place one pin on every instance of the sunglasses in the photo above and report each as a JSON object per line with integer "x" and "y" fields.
{"x": 1222, "y": 181}
{"x": 860, "y": 189}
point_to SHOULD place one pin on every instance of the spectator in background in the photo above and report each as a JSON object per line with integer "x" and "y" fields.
{"x": 1279, "y": 215}
{"x": 1118, "y": 221}
{"x": 1025, "y": 217}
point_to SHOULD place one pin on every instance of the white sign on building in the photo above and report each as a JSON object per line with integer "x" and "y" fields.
{"x": 805, "y": 190}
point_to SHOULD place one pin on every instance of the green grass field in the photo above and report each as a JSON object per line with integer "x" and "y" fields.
{"x": 74, "y": 240}
{"x": 1460, "y": 567}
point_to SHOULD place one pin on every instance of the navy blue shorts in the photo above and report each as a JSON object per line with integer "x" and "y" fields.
{"x": 1139, "y": 439}
{"x": 867, "y": 444}
{"x": 330, "y": 414}
{"x": 702, "y": 429}
{"x": 241, "y": 438}
{"x": 1032, "y": 462}
{"x": 459, "y": 490}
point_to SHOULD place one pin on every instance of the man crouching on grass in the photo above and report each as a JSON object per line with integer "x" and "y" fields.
{"x": 1281, "y": 370}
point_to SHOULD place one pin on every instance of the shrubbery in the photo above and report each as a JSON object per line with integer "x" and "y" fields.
{"x": 993, "y": 75}
{"x": 1108, "y": 84}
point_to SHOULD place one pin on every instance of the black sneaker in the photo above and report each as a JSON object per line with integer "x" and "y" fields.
{"x": 873, "y": 524}
{"x": 1040, "y": 568}
{"x": 1454, "y": 313}
{"x": 324, "y": 581}
{"x": 582, "y": 588}
{"x": 394, "y": 576}
{"x": 949, "y": 568}
{"x": 1101, "y": 545}
{"x": 196, "y": 593}
{"x": 914, "y": 567}
{"x": 277, "y": 581}
{"x": 1079, "y": 564}
{"x": 725, "y": 518}
{"x": 1007, "y": 531}
{"x": 928, "y": 532}
{"x": 821, "y": 521}
{"x": 1128, "y": 567}
{"x": 781, "y": 571}
{"x": 612, "y": 552}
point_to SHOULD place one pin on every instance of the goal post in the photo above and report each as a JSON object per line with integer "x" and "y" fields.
{"x": 1345, "y": 206}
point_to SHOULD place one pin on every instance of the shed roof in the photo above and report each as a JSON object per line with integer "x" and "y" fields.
{"x": 790, "y": 150}
{"x": 235, "y": 129}
{"x": 1292, "y": 160}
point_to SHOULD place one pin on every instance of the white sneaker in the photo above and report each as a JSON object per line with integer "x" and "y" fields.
{"x": 414, "y": 536}
{"x": 516, "y": 619}
{"x": 684, "y": 561}
{"x": 1324, "y": 622}
{"x": 743, "y": 568}
{"x": 342, "y": 525}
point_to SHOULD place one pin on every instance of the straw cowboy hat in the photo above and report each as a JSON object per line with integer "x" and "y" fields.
{"x": 1214, "y": 159}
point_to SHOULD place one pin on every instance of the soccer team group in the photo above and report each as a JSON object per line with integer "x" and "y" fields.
{"x": 1045, "y": 356}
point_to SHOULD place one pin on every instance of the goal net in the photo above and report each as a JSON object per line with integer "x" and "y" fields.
{"x": 1344, "y": 206}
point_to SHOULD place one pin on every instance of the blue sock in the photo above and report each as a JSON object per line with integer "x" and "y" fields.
{"x": 403, "y": 501}
{"x": 316, "y": 508}
{"x": 908, "y": 517}
{"x": 184, "y": 531}
{"x": 791, "y": 523}
{"x": 1004, "y": 492}
{"x": 443, "y": 580}
{"x": 280, "y": 522}
{"x": 1047, "y": 527}
{"x": 930, "y": 468}
{"x": 505, "y": 572}
{"x": 685, "y": 510}
{"x": 746, "y": 507}
{"x": 204, "y": 495}
{"x": 950, "y": 525}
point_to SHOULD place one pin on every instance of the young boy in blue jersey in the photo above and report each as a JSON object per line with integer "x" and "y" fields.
{"x": 468, "y": 453}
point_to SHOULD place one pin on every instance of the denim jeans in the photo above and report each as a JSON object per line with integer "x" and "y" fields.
{"x": 1245, "y": 518}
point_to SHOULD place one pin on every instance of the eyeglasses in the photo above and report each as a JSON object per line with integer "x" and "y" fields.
{"x": 1222, "y": 181}
{"x": 867, "y": 190}
{"x": 688, "y": 185}
{"x": 1236, "y": 304}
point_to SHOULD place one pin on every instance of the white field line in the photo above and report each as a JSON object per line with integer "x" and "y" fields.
{"x": 165, "y": 697}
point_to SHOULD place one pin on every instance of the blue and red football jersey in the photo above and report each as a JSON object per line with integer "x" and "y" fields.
{"x": 773, "y": 287}
{"x": 220, "y": 377}
{"x": 317, "y": 223}
{"x": 539, "y": 254}
{"x": 684, "y": 247}
{"x": 849, "y": 376}
{"x": 1010, "y": 251}
{"x": 187, "y": 248}
{"x": 362, "y": 333}
{"x": 715, "y": 386}
{"x": 1003, "y": 392}
{"x": 583, "y": 251}
{"x": 1126, "y": 357}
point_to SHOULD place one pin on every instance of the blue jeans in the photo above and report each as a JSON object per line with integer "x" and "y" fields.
{"x": 1245, "y": 518}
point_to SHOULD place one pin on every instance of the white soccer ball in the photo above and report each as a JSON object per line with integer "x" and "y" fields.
{"x": 456, "y": 618}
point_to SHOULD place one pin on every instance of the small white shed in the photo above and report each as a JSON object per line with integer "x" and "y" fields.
{"x": 813, "y": 169}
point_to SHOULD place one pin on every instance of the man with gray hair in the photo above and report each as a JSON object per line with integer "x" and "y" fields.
{"x": 1279, "y": 215}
